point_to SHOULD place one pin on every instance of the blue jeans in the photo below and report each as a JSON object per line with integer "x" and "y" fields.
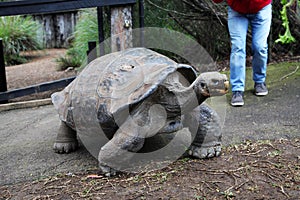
{"x": 260, "y": 27}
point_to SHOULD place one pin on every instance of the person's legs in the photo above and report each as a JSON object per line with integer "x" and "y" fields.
{"x": 260, "y": 24}
{"x": 238, "y": 26}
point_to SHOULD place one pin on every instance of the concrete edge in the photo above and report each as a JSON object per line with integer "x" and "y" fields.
{"x": 25, "y": 104}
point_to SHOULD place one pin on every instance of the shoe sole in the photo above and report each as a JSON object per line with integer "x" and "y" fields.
{"x": 261, "y": 93}
{"x": 237, "y": 104}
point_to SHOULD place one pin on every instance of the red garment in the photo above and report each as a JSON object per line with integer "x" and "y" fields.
{"x": 246, "y": 6}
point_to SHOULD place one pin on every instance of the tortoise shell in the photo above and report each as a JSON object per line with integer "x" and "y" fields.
{"x": 110, "y": 84}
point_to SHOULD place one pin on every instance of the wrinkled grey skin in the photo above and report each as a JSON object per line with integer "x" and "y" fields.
{"x": 176, "y": 89}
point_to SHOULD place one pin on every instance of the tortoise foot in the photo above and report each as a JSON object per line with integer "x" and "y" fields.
{"x": 205, "y": 152}
{"x": 66, "y": 140}
{"x": 107, "y": 171}
{"x": 65, "y": 147}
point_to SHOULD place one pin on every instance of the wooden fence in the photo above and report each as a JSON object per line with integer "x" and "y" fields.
{"x": 26, "y": 7}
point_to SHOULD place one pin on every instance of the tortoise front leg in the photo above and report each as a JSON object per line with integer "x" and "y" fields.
{"x": 145, "y": 122}
{"x": 66, "y": 140}
{"x": 205, "y": 123}
{"x": 118, "y": 152}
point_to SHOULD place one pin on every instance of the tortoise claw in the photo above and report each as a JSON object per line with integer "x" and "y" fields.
{"x": 205, "y": 152}
{"x": 65, "y": 147}
{"x": 107, "y": 171}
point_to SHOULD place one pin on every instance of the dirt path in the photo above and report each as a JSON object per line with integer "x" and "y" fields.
{"x": 41, "y": 68}
{"x": 29, "y": 169}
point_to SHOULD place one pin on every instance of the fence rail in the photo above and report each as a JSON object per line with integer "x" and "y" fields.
{"x": 48, "y": 6}
{"x": 42, "y": 87}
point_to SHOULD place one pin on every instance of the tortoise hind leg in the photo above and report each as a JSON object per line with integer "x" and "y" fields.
{"x": 207, "y": 141}
{"x": 66, "y": 140}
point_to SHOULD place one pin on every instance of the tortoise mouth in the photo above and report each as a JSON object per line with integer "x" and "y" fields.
{"x": 226, "y": 85}
{"x": 217, "y": 91}
{"x": 206, "y": 92}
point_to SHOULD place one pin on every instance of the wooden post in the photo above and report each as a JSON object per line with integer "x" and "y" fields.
{"x": 3, "y": 84}
{"x": 121, "y": 28}
{"x": 142, "y": 22}
{"x": 270, "y": 43}
{"x": 92, "y": 51}
{"x": 100, "y": 30}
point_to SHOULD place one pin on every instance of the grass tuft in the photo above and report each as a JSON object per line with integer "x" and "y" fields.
{"x": 18, "y": 34}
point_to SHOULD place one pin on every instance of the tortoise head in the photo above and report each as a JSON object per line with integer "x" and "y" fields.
{"x": 210, "y": 84}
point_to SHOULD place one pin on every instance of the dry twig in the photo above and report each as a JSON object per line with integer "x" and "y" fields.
{"x": 283, "y": 192}
{"x": 289, "y": 74}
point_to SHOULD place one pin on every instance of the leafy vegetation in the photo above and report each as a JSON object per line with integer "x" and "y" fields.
{"x": 72, "y": 59}
{"x": 203, "y": 20}
{"x": 86, "y": 30}
{"x": 287, "y": 37}
{"x": 18, "y": 34}
{"x": 207, "y": 23}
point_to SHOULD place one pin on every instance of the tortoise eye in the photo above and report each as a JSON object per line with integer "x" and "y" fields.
{"x": 202, "y": 85}
{"x": 215, "y": 82}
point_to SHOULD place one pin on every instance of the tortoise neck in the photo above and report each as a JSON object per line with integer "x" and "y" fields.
{"x": 193, "y": 99}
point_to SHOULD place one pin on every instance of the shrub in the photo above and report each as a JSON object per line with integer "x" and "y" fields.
{"x": 86, "y": 30}
{"x": 18, "y": 34}
{"x": 71, "y": 59}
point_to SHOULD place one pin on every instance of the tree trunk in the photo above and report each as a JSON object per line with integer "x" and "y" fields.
{"x": 56, "y": 28}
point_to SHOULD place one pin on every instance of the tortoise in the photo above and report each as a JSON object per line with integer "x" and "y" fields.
{"x": 132, "y": 96}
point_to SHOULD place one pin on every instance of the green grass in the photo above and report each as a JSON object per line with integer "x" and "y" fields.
{"x": 71, "y": 59}
{"x": 278, "y": 73}
{"x": 282, "y": 72}
{"x": 18, "y": 34}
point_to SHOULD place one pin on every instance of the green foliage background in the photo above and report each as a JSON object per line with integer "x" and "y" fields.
{"x": 86, "y": 30}
{"x": 18, "y": 34}
{"x": 203, "y": 20}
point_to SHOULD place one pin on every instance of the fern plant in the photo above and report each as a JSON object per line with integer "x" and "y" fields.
{"x": 18, "y": 34}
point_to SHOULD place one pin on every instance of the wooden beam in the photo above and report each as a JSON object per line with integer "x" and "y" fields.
{"x": 4, "y": 96}
{"x": 3, "y": 84}
{"x": 48, "y": 6}
{"x": 142, "y": 22}
{"x": 92, "y": 51}
{"x": 141, "y": 14}
{"x": 100, "y": 30}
